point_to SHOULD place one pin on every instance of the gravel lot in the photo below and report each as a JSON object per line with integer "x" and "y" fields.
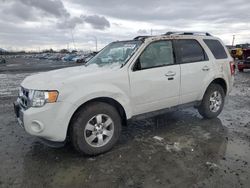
{"x": 193, "y": 152}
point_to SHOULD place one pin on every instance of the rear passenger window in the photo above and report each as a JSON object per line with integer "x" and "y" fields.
{"x": 189, "y": 50}
{"x": 216, "y": 48}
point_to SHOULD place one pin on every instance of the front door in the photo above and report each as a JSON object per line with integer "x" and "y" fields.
{"x": 155, "y": 78}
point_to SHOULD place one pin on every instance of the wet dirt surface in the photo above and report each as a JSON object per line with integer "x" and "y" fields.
{"x": 188, "y": 152}
{"x": 20, "y": 65}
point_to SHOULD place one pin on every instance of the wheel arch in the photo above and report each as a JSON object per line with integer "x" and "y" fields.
{"x": 220, "y": 81}
{"x": 120, "y": 109}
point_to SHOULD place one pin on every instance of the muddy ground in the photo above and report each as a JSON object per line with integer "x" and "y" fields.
{"x": 194, "y": 152}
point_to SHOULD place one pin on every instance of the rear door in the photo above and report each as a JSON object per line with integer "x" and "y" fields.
{"x": 155, "y": 78}
{"x": 196, "y": 69}
{"x": 223, "y": 62}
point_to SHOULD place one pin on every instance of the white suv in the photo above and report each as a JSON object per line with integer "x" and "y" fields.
{"x": 89, "y": 104}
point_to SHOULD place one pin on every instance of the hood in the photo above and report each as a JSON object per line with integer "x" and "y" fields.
{"x": 56, "y": 78}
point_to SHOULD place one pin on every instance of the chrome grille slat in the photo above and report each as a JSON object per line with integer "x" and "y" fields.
{"x": 23, "y": 98}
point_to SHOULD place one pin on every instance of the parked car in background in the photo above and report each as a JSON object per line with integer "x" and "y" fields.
{"x": 89, "y": 104}
{"x": 69, "y": 57}
{"x": 244, "y": 63}
{"x": 44, "y": 56}
{"x": 2, "y": 61}
{"x": 79, "y": 56}
{"x": 85, "y": 58}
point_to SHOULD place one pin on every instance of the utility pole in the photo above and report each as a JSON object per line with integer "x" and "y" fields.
{"x": 73, "y": 39}
{"x": 233, "y": 40}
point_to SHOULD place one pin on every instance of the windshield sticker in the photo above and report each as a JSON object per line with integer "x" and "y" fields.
{"x": 130, "y": 45}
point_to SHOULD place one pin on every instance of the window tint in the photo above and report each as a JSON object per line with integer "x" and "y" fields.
{"x": 190, "y": 50}
{"x": 157, "y": 54}
{"x": 216, "y": 48}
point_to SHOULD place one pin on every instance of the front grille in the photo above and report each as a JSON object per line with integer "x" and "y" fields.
{"x": 23, "y": 98}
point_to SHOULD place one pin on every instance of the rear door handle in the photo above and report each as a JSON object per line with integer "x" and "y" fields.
{"x": 170, "y": 73}
{"x": 205, "y": 68}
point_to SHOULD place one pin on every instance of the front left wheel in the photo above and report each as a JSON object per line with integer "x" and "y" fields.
{"x": 95, "y": 128}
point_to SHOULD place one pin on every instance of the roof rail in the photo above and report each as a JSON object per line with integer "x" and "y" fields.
{"x": 187, "y": 33}
{"x": 141, "y": 37}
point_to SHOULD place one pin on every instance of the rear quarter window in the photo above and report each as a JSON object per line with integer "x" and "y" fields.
{"x": 216, "y": 48}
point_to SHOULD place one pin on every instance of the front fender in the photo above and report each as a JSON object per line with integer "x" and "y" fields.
{"x": 94, "y": 91}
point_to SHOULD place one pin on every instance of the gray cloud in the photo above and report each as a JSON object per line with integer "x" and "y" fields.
{"x": 70, "y": 23}
{"x": 169, "y": 11}
{"x": 142, "y": 31}
{"x": 21, "y": 11}
{"x": 46, "y": 22}
{"x": 17, "y": 11}
{"x": 52, "y": 7}
{"x": 97, "y": 22}
{"x": 32, "y": 10}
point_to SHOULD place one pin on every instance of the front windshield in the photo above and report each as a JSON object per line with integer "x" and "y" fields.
{"x": 116, "y": 53}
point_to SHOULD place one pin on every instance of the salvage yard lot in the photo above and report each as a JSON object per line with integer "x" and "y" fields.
{"x": 188, "y": 152}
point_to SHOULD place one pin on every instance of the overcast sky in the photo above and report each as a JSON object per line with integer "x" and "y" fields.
{"x": 34, "y": 24}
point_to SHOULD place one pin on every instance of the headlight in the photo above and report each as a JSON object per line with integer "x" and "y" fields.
{"x": 40, "y": 98}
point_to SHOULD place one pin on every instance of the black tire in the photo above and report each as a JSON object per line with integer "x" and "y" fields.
{"x": 204, "y": 108}
{"x": 241, "y": 70}
{"x": 80, "y": 120}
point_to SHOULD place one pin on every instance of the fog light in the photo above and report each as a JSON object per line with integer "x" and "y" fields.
{"x": 37, "y": 126}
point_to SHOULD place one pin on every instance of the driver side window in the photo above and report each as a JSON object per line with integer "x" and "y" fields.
{"x": 157, "y": 54}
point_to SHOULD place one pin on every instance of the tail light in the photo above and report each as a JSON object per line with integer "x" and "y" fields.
{"x": 232, "y": 67}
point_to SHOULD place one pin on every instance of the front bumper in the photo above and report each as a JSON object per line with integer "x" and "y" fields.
{"x": 49, "y": 122}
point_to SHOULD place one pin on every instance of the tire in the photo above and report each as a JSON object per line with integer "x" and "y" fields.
{"x": 241, "y": 70}
{"x": 91, "y": 124}
{"x": 210, "y": 107}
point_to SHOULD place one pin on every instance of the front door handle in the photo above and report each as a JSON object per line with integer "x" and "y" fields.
{"x": 205, "y": 68}
{"x": 170, "y": 73}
